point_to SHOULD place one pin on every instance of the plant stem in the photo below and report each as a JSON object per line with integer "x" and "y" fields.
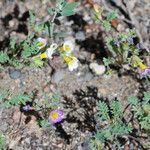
{"x": 52, "y": 27}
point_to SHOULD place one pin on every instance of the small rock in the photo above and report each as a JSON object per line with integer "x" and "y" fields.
{"x": 11, "y": 23}
{"x": 58, "y": 76}
{"x": 97, "y": 69}
{"x": 120, "y": 27}
{"x": 88, "y": 76}
{"x": 86, "y": 17}
{"x": 80, "y": 36}
{"x": 14, "y": 73}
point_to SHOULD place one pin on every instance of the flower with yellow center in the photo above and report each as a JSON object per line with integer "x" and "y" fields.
{"x": 67, "y": 47}
{"x": 71, "y": 61}
{"x": 49, "y": 52}
{"x": 41, "y": 42}
{"x": 55, "y": 116}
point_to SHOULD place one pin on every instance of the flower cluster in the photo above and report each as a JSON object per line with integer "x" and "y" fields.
{"x": 128, "y": 40}
{"x": 65, "y": 51}
{"x": 26, "y": 107}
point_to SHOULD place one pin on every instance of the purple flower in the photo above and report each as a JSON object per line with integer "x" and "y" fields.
{"x": 139, "y": 46}
{"x": 145, "y": 72}
{"x": 130, "y": 40}
{"x": 26, "y": 107}
{"x": 116, "y": 43}
{"x": 55, "y": 116}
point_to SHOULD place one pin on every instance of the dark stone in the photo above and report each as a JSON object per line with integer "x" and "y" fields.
{"x": 14, "y": 73}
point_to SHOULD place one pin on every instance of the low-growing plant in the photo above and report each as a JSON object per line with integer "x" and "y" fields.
{"x": 8, "y": 98}
{"x": 2, "y": 141}
{"x": 35, "y": 50}
{"x": 111, "y": 126}
{"x": 141, "y": 110}
{"x": 44, "y": 107}
{"x": 122, "y": 49}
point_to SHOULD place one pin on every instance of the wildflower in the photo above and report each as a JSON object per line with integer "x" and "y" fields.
{"x": 26, "y": 107}
{"x": 138, "y": 46}
{"x": 71, "y": 61}
{"x": 116, "y": 43}
{"x": 49, "y": 52}
{"x": 144, "y": 70}
{"x": 67, "y": 47}
{"x": 41, "y": 43}
{"x": 130, "y": 40}
{"x": 55, "y": 116}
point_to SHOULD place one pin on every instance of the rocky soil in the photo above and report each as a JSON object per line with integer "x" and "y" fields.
{"x": 82, "y": 89}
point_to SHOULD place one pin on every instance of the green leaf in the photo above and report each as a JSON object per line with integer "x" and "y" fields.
{"x": 32, "y": 18}
{"x": 2, "y": 141}
{"x": 70, "y": 6}
{"x": 37, "y": 61}
{"x": 60, "y": 4}
{"x": 13, "y": 42}
{"x": 44, "y": 123}
{"x": 103, "y": 111}
{"x": 3, "y": 57}
{"x": 146, "y": 97}
{"x": 111, "y": 15}
{"x": 116, "y": 109}
{"x": 51, "y": 11}
{"x": 106, "y": 25}
{"x": 67, "y": 13}
{"x": 68, "y": 9}
{"x": 133, "y": 100}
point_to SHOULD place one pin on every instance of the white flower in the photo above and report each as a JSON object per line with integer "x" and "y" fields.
{"x": 50, "y": 51}
{"x": 71, "y": 61}
{"x": 68, "y": 46}
{"x": 41, "y": 42}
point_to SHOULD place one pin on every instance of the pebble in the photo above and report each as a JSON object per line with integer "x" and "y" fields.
{"x": 14, "y": 73}
{"x": 97, "y": 69}
{"x": 11, "y": 23}
{"x": 87, "y": 17}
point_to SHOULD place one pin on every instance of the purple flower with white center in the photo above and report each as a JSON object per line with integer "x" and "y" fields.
{"x": 130, "y": 40}
{"x": 145, "y": 72}
{"x": 26, "y": 107}
{"x": 116, "y": 43}
{"x": 56, "y": 116}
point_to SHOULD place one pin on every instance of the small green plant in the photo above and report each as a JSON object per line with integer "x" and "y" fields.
{"x": 112, "y": 125}
{"x": 8, "y": 99}
{"x": 141, "y": 110}
{"x": 34, "y": 51}
{"x": 122, "y": 49}
{"x": 2, "y": 141}
{"x": 45, "y": 106}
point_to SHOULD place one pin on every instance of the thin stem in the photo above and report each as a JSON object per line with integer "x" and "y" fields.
{"x": 52, "y": 27}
